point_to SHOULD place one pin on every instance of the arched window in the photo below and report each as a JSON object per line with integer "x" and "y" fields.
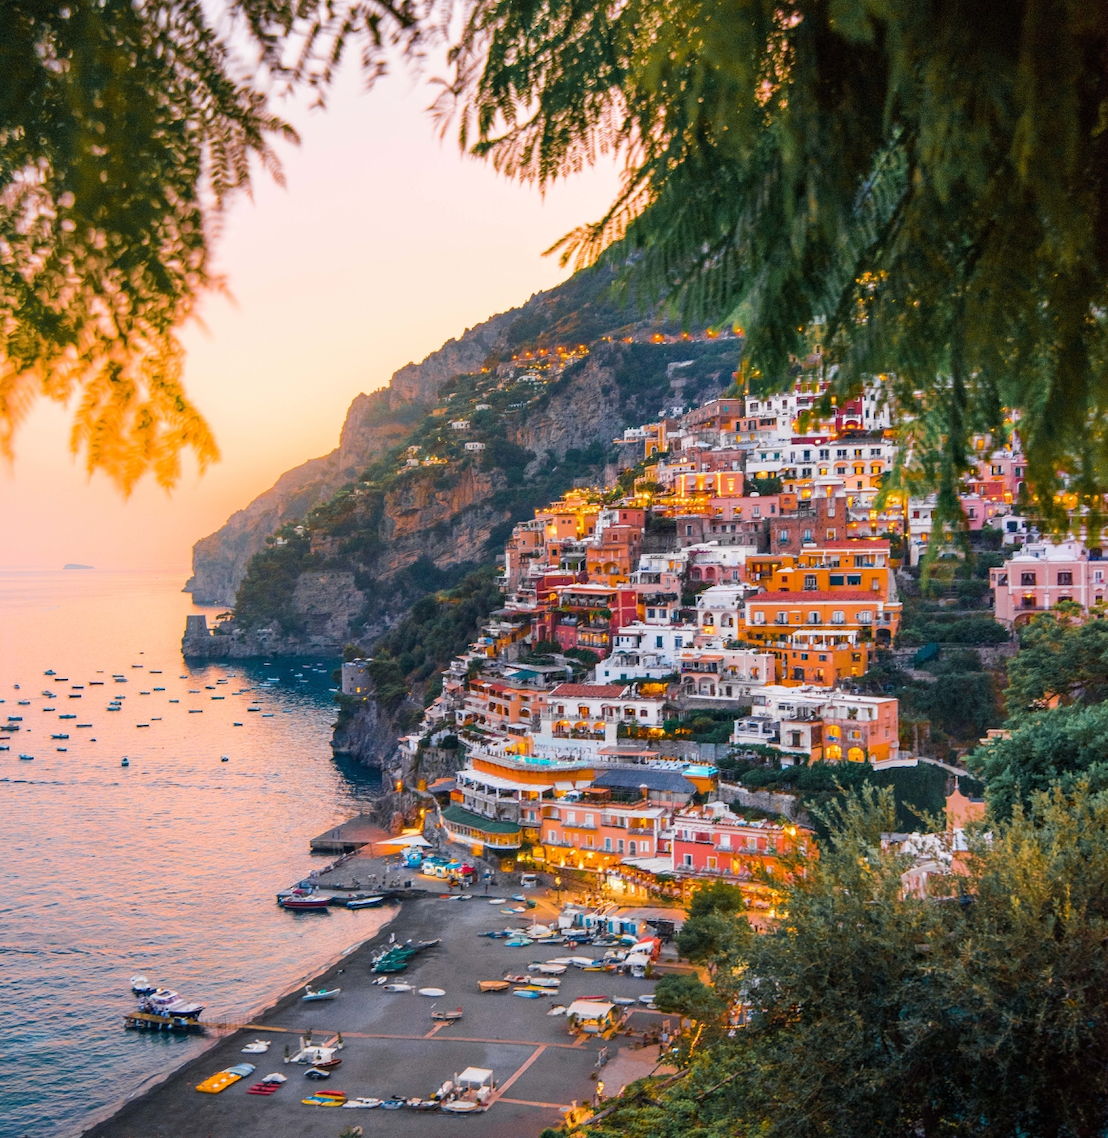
{"x": 856, "y": 755}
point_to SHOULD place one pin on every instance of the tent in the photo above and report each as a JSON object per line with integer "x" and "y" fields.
{"x": 473, "y": 1078}
{"x": 592, "y": 1015}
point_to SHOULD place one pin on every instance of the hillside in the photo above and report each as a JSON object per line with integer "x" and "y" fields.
{"x": 432, "y": 472}
{"x": 575, "y": 312}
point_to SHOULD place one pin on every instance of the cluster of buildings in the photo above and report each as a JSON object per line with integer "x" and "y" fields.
{"x": 749, "y": 571}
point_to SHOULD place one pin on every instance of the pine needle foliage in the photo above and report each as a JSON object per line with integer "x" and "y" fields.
{"x": 924, "y": 182}
{"x": 124, "y": 128}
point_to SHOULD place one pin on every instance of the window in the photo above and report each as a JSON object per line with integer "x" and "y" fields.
{"x": 838, "y": 617}
{"x": 590, "y": 819}
{"x": 551, "y": 835}
{"x": 836, "y": 579}
{"x": 659, "y": 641}
{"x": 619, "y": 845}
{"x": 794, "y": 738}
{"x": 807, "y": 535}
{"x": 1065, "y": 578}
{"x": 608, "y": 844}
{"x": 865, "y": 617}
{"x": 687, "y": 860}
{"x": 759, "y": 617}
{"x": 688, "y": 531}
{"x": 679, "y": 642}
{"x": 632, "y": 848}
{"x": 783, "y": 537}
{"x": 781, "y": 618}
{"x": 854, "y": 578}
{"x": 1027, "y": 578}
{"x": 811, "y": 584}
{"x": 830, "y": 532}
{"x": 713, "y": 863}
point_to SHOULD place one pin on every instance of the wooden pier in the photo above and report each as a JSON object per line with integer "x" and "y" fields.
{"x": 147, "y": 1021}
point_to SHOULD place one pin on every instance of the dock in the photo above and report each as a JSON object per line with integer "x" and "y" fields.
{"x": 349, "y": 836}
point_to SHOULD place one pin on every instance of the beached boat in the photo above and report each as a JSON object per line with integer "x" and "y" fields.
{"x": 423, "y": 1104}
{"x": 398, "y": 987}
{"x": 221, "y": 1080}
{"x": 432, "y": 992}
{"x": 623, "y": 1001}
{"x": 336, "y": 1098}
{"x": 547, "y": 968}
{"x": 545, "y": 981}
{"x": 392, "y": 1103}
{"x": 258, "y": 1047}
{"x": 364, "y": 902}
{"x": 321, "y": 994}
{"x": 493, "y": 985}
{"x": 517, "y": 942}
{"x": 461, "y": 1106}
{"x": 447, "y": 1017}
{"x": 362, "y": 1103}
{"x": 527, "y": 993}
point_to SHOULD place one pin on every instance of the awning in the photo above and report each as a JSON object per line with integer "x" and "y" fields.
{"x": 410, "y": 840}
{"x": 475, "y": 1077}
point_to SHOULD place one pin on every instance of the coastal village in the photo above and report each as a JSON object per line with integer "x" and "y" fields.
{"x": 743, "y": 566}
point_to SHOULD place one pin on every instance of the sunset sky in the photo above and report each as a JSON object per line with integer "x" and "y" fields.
{"x": 384, "y": 244}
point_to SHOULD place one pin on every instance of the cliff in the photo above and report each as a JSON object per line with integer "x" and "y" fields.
{"x": 573, "y": 311}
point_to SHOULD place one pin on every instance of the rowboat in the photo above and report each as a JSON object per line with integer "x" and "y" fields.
{"x": 364, "y": 902}
{"x": 447, "y": 1017}
{"x": 526, "y": 993}
{"x": 461, "y": 1107}
{"x": 361, "y": 1103}
{"x": 432, "y": 992}
{"x": 493, "y": 985}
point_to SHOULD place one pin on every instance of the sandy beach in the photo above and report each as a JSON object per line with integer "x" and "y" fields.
{"x": 392, "y": 1046}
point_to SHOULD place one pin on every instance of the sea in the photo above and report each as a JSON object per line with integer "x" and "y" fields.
{"x": 167, "y": 868}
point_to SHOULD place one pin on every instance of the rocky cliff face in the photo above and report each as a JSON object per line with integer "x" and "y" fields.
{"x": 373, "y": 423}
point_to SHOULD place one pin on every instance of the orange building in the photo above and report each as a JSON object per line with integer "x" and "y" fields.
{"x": 501, "y": 707}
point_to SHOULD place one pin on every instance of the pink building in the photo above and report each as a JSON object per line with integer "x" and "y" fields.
{"x": 1042, "y": 574}
{"x": 711, "y": 841}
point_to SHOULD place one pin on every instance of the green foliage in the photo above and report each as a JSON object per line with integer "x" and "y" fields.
{"x": 1063, "y": 656}
{"x": 126, "y": 127}
{"x": 915, "y": 791}
{"x": 1047, "y": 748}
{"x": 943, "y": 629}
{"x": 875, "y": 1012}
{"x": 266, "y": 592}
{"x": 962, "y": 704}
{"x": 763, "y": 486}
{"x": 586, "y": 655}
{"x": 688, "y": 996}
{"x": 920, "y": 182}
{"x": 547, "y": 648}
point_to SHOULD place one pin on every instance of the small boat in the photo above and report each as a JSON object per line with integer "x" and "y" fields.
{"x": 223, "y": 1079}
{"x": 460, "y": 1106}
{"x": 364, "y": 902}
{"x": 141, "y": 986}
{"x": 49, "y": 672}
{"x": 547, "y": 968}
{"x": 324, "y": 1100}
{"x": 59, "y": 736}
{"x": 62, "y": 749}
{"x": 125, "y": 762}
{"x": 527, "y": 993}
{"x": 447, "y": 1017}
{"x": 63, "y": 717}
{"x": 27, "y": 758}
{"x": 304, "y": 902}
{"x": 362, "y": 1103}
{"x": 557, "y": 1010}
{"x": 623, "y": 1001}
{"x": 19, "y": 718}
{"x": 321, "y": 994}
{"x": 432, "y": 991}
{"x": 545, "y": 982}
{"x": 518, "y": 942}
{"x": 422, "y": 1104}
{"x": 392, "y": 1103}
{"x": 276, "y": 1078}
{"x": 224, "y": 758}
{"x": 493, "y": 985}
{"x": 317, "y": 1073}
{"x": 27, "y": 702}
{"x": 327, "y": 1064}
{"x": 647, "y": 999}
{"x": 258, "y": 1047}
{"x": 398, "y": 987}
{"x": 263, "y": 1088}
{"x": 379, "y": 981}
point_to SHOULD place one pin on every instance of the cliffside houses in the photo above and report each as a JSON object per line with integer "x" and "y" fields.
{"x": 625, "y": 612}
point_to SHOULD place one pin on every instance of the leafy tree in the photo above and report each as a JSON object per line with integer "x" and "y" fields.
{"x": 1063, "y": 658}
{"x": 126, "y": 127}
{"x": 922, "y": 184}
{"x": 874, "y": 1011}
{"x": 1048, "y": 748}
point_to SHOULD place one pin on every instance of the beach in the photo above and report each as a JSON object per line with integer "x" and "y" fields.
{"x": 391, "y": 1046}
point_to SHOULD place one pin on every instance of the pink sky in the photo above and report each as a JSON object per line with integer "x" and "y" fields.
{"x": 384, "y": 244}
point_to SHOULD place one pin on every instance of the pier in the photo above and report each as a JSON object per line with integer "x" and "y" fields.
{"x": 348, "y": 837}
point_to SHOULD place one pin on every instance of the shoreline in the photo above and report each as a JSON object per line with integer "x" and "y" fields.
{"x": 392, "y": 1047}
{"x": 283, "y": 1001}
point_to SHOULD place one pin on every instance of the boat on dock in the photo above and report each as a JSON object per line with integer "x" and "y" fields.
{"x": 447, "y": 1016}
{"x": 364, "y": 902}
{"x": 147, "y": 1021}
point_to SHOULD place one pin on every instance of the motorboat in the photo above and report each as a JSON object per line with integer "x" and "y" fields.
{"x": 125, "y": 762}
{"x": 164, "y": 1003}
{"x": 493, "y": 985}
{"x": 461, "y": 1106}
{"x": 320, "y": 994}
{"x": 398, "y": 987}
{"x": 59, "y": 736}
{"x": 447, "y": 1016}
{"x": 392, "y": 1103}
{"x": 362, "y": 1103}
{"x": 304, "y": 902}
{"x": 548, "y": 969}
{"x": 422, "y": 1104}
{"x": 364, "y": 902}
{"x": 545, "y": 982}
{"x": 141, "y": 986}
{"x": 527, "y": 993}
{"x": 647, "y": 999}
{"x": 27, "y": 758}
{"x": 623, "y": 1001}
{"x": 432, "y": 992}
{"x": 258, "y": 1047}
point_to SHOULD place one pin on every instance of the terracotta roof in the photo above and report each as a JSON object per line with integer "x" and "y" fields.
{"x": 590, "y": 691}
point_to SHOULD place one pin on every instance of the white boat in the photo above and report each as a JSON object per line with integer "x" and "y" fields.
{"x": 258, "y": 1047}
{"x": 276, "y": 1078}
{"x": 461, "y": 1107}
{"x": 322, "y": 994}
{"x": 141, "y": 986}
{"x": 398, "y": 987}
{"x": 548, "y": 969}
{"x": 623, "y": 1001}
{"x": 432, "y": 991}
{"x": 361, "y": 1103}
{"x": 647, "y": 999}
{"x": 365, "y": 902}
{"x": 546, "y": 981}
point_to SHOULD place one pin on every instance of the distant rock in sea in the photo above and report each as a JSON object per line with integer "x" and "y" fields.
{"x": 74, "y": 565}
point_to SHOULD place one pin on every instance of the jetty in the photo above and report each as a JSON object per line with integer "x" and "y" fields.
{"x": 348, "y": 837}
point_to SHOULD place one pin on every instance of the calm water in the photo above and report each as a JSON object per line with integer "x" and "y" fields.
{"x": 166, "y": 868}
